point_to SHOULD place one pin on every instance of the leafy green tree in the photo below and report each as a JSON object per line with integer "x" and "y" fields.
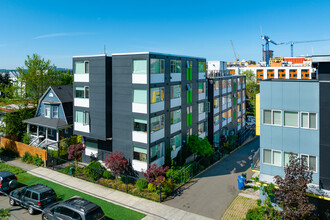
{"x": 66, "y": 78}
{"x": 4, "y": 214}
{"x": 201, "y": 147}
{"x": 252, "y": 88}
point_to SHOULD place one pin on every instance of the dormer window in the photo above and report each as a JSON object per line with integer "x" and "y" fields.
{"x": 55, "y": 111}
{"x": 47, "y": 111}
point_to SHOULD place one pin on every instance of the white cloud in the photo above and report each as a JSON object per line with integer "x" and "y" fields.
{"x": 62, "y": 35}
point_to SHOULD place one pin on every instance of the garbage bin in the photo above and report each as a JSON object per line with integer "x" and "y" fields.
{"x": 71, "y": 170}
{"x": 241, "y": 181}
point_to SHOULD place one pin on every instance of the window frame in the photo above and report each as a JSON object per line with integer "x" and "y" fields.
{"x": 53, "y": 108}
{"x": 46, "y": 106}
{"x": 284, "y": 165}
{"x": 175, "y": 62}
{"x": 161, "y": 62}
{"x": 298, "y": 126}
{"x": 302, "y": 154}
{"x": 172, "y": 91}
{"x": 146, "y": 70}
{"x": 308, "y": 127}
{"x": 85, "y": 61}
{"x": 272, "y": 117}
{"x": 271, "y": 157}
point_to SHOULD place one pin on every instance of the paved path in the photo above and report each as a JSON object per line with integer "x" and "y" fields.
{"x": 212, "y": 192}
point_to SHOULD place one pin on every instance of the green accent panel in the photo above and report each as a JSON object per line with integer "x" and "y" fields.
{"x": 190, "y": 96}
{"x": 140, "y": 150}
{"x": 187, "y": 74}
{"x": 190, "y": 73}
{"x": 190, "y": 118}
{"x": 234, "y": 100}
{"x": 235, "y": 86}
{"x": 234, "y": 115}
{"x": 79, "y": 67}
{"x": 187, "y": 96}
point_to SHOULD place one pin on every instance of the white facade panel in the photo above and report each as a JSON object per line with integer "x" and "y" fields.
{"x": 80, "y": 102}
{"x": 139, "y": 78}
{"x": 81, "y": 127}
{"x": 139, "y": 108}
{"x": 141, "y": 137}
{"x": 81, "y": 77}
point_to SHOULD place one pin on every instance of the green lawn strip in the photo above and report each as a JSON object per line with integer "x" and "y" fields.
{"x": 111, "y": 210}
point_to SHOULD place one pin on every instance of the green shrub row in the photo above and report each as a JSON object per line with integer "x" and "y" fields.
{"x": 36, "y": 160}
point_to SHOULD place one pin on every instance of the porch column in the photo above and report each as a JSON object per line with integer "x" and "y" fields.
{"x": 57, "y": 135}
{"x": 46, "y": 133}
{"x": 28, "y": 128}
{"x": 37, "y": 131}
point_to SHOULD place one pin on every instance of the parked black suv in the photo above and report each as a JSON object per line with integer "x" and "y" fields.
{"x": 34, "y": 197}
{"x": 74, "y": 208}
{"x": 8, "y": 181}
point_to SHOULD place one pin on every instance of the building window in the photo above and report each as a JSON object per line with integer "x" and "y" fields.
{"x": 140, "y": 125}
{"x": 216, "y": 120}
{"x": 82, "y": 92}
{"x": 176, "y": 141}
{"x": 229, "y": 83}
{"x": 140, "y": 96}
{"x": 47, "y": 111}
{"x": 201, "y": 67}
{"x": 201, "y": 108}
{"x": 81, "y": 67}
{"x": 157, "y": 66}
{"x": 175, "y": 66}
{"x": 216, "y": 85}
{"x": 156, "y": 152}
{"x": 287, "y": 157}
{"x": 291, "y": 119}
{"x": 140, "y": 154}
{"x": 229, "y": 99}
{"x": 82, "y": 117}
{"x": 310, "y": 161}
{"x": 139, "y": 66}
{"x": 156, "y": 95}
{"x": 273, "y": 117}
{"x": 175, "y": 116}
{"x": 55, "y": 111}
{"x": 308, "y": 120}
{"x": 157, "y": 123}
{"x": 201, "y": 87}
{"x": 272, "y": 157}
{"x": 201, "y": 128}
{"x": 224, "y": 84}
{"x": 216, "y": 103}
{"x": 176, "y": 92}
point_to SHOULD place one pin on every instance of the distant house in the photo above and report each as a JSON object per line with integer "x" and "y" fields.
{"x": 53, "y": 119}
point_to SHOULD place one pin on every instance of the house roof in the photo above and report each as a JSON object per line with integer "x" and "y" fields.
{"x": 54, "y": 123}
{"x": 64, "y": 93}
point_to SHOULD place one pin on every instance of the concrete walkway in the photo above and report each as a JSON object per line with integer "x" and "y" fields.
{"x": 153, "y": 210}
{"x": 212, "y": 192}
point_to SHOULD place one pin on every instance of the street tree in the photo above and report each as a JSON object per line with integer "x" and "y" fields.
{"x": 252, "y": 88}
{"x": 116, "y": 163}
{"x": 200, "y": 146}
{"x": 75, "y": 151}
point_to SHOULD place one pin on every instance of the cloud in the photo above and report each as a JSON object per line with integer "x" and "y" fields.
{"x": 62, "y": 35}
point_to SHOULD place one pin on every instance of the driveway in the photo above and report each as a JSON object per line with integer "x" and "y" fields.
{"x": 212, "y": 192}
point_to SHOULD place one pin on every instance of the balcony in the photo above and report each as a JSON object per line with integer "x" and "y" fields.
{"x": 224, "y": 106}
{"x": 229, "y": 104}
{"x": 157, "y": 78}
{"x": 175, "y": 77}
{"x": 243, "y": 98}
{"x": 239, "y": 100}
{"x": 224, "y": 90}
{"x": 159, "y": 162}
{"x": 229, "y": 89}
{"x": 157, "y": 135}
{"x": 80, "y": 102}
{"x": 139, "y": 108}
{"x": 201, "y": 96}
{"x": 139, "y": 136}
{"x": 243, "y": 86}
{"x": 201, "y": 116}
{"x": 175, "y": 102}
{"x": 229, "y": 120}
{"x": 139, "y": 79}
{"x": 156, "y": 107}
{"x": 216, "y": 92}
{"x": 243, "y": 111}
{"x": 81, "y": 127}
{"x": 175, "y": 152}
{"x": 239, "y": 87}
{"x": 202, "y": 135}
{"x": 224, "y": 123}
{"x": 81, "y": 77}
{"x": 239, "y": 114}
{"x": 216, "y": 111}
{"x": 201, "y": 75}
{"x": 216, "y": 128}
{"x": 175, "y": 127}
{"x": 238, "y": 127}
{"x": 139, "y": 165}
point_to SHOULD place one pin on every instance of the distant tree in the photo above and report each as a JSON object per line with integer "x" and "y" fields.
{"x": 116, "y": 163}
{"x": 201, "y": 147}
{"x": 155, "y": 174}
{"x": 291, "y": 193}
{"x": 252, "y": 88}
{"x": 4, "y": 214}
{"x": 75, "y": 151}
{"x": 66, "y": 78}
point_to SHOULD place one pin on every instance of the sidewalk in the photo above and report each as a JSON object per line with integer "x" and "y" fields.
{"x": 153, "y": 210}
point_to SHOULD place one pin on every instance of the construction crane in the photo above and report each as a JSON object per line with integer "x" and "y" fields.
{"x": 267, "y": 41}
{"x": 236, "y": 57}
{"x": 299, "y": 42}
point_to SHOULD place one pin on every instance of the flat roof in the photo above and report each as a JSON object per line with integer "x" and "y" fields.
{"x": 97, "y": 55}
{"x": 290, "y": 80}
{"x": 155, "y": 53}
{"x": 320, "y": 58}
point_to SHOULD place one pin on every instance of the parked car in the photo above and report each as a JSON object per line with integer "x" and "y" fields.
{"x": 34, "y": 197}
{"x": 8, "y": 181}
{"x": 74, "y": 208}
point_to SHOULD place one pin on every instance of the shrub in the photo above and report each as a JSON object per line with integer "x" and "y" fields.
{"x": 168, "y": 187}
{"x": 141, "y": 184}
{"x": 151, "y": 187}
{"x": 257, "y": 213}
{"x": 94, "y": 170}
{"x": 36, "y": 160}
{"x": 27, "y": 158}
{"x": 8, "y": 153}
{"x": 26, "y": 138}
{"x": 107, "y": 175}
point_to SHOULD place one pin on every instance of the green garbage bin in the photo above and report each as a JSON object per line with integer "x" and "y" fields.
{"x": 71, "y": 170}
{"x": 251, "y": 165}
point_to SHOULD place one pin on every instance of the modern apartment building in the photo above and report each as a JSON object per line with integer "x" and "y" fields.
{"x": 294, "y": 116}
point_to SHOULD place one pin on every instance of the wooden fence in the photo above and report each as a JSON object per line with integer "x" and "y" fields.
{"x": 21, "y": 148}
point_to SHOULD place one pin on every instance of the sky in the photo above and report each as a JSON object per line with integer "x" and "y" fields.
{"x": 58, "y": 30}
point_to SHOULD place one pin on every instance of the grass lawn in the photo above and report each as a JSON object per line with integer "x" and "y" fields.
{"x": 239, "y": 207}
{"x": 111, "y": 210}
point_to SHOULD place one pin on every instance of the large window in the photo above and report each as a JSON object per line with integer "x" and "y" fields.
{"x": 175, "y": 116}
{"x": 139, "y": 66}
{"x": 291, "y": 119}
{"x": 156, "y": 152}
{"x": 81, "y": 67}
{"x": 82, "y": 92}
{"x": 140, "y": 96}
{"x": 216, "y": 103}
{"x": 287, "y": 157}
{"x": 140, "y": 125}
{"x": 273, "y": 157}
{"x": 140, "y": 154}
{"x": 201, "y": 67}
{"x": 224, "y": 83}
{"x": 82, "y": 117}
{"x": 47, "y": 111}
{"x": 310, "y": 161}
{"x": 201, "y": 128}
{"x": 229, "y": 98}
{"x": 156, "y": 95}
{"x": 308, "y": 120}
{"x": 55, "y": 111}
{"x": 201, "y": 87}
{"x": 176, "y": 92}
{"x": 229, "y": 83}
{"x": 273, "y": 117}
{"x": 157, "y": 66}
{"x": 201, "y": 108}
{"x": 216, "y": 120}
{"x": 216, "y": 85}
{"x": 157, "y": 123}
{"x": 176, "y": 141}
{"x": 175, "y": 66}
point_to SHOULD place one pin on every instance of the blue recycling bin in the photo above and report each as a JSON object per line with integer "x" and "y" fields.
{"x": 241, "y": 181}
